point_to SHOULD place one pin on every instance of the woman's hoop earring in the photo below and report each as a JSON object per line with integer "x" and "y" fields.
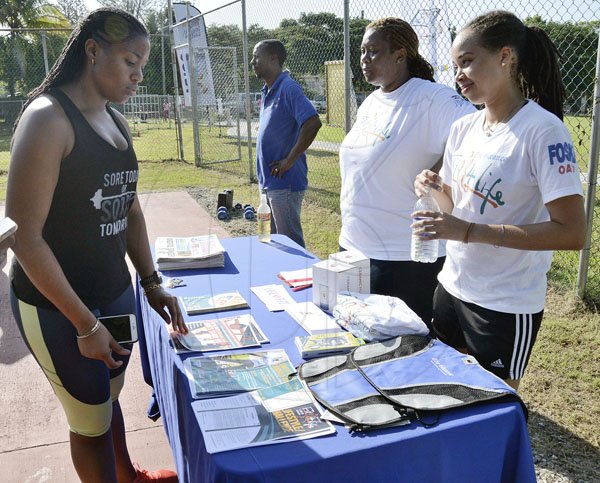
{"x": 93, "y": 61}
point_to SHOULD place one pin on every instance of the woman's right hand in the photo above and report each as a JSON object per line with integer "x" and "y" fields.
{"x": 100, "y": 345}
{"x": 427, "y": 179}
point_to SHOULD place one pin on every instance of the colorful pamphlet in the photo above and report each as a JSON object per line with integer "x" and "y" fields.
{"x": 223, "y": 375}
{"x": 202, "y": 304}
{"x": 277, "y": 414}
{"x": 326, "y": 344}
{"x": 221, "y": 334}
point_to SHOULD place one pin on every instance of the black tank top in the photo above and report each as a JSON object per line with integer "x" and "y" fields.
{"x": 86, "y": 227}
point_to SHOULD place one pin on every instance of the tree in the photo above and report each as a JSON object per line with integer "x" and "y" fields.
{"x": 357, "y": 31}
{"x": 137, "y": 8}
{"x": 156, "y": 23}
{"x": 17, "y": 14}
{"x": 577, "y": 44}
{"x": 74, "y": 10}
{"x": 15, "y": 62}
{"x": 312, "y": 40}
{"x": 231, "y": 36}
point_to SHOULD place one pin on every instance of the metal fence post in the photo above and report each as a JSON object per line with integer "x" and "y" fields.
{"x": 45, "y": 49}
{"x": 193, "y": 90}
{"x": 162, "y": 61}
{"x": 590, "y": 201}
{"x": 237, "y": 117}
{"x": 177, "y": 106}
{"x": 347, "y": 69}
{"x": 247, "y": 91}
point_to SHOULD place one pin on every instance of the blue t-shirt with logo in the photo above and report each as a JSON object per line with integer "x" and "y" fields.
{"x": 284, "y": 108}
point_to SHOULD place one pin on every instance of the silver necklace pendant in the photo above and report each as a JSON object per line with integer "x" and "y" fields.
{"x": 488, "y": 131}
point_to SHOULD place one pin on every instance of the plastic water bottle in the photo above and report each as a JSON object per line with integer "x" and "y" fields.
{"x": 264, "y": 219}
{"x": 423, "y": 249}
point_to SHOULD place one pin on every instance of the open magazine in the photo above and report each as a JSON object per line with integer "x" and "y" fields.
{"x": 278, "y": 414}
{"x": 178, "y": 253}
{"x": 224, "y": 375}
{"x": 220, "y": 334}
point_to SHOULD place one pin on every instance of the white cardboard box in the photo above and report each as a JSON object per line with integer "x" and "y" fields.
{"x": 331, "y": 276}
{"x": 362, "y": 262}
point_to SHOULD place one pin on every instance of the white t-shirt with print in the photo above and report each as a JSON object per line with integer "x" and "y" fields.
{"x": 396, "y": 135}
{"x": 506, "y": 178}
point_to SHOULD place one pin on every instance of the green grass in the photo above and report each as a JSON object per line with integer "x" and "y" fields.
{"x": 330, "y": 133}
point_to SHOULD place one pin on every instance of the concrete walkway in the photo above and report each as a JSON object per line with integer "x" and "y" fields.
{"x": 34, "y": 443}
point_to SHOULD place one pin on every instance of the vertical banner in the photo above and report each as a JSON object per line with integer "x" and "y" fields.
{"x": 433, "y": 29}
{"x": 205, "y": 89}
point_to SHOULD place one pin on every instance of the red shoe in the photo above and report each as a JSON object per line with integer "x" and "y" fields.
{"x": 166, "y": 476}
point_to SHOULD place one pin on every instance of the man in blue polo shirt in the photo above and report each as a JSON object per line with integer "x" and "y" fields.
{"x": 288, "y": 125}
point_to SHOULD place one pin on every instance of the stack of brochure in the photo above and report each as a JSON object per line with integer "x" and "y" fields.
{"x": 224, "y": 375}
{"x": 178, "y": 253}
{"x": 220, "y": 334}
{"x": 277, "y": 414}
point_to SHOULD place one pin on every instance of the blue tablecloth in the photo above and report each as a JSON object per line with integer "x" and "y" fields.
{"x": 487, "y": 443}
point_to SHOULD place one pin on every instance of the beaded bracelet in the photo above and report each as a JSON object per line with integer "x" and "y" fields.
{"x": 151, "y": 279}
{"x": 150, "y": 288}
{"x": 92, "y": 331}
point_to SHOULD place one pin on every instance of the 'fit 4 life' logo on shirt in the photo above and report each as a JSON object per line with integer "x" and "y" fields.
{"x": 563, "y": 156}
{"x": 482, "y": 183}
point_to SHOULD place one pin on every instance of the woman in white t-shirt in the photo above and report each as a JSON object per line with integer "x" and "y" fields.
{"x": 400, "y": 129}
{"x": 509, "y": 190}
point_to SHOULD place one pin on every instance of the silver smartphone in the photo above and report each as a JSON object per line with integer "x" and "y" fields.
{"x": 7, "y": 228}
{"x": 122, "y": 327}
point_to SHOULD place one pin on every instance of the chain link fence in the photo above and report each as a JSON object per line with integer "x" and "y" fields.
{"x": 313, "y": 33}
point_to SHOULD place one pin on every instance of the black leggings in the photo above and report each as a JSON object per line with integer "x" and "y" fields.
{"x": 413, "y": 282}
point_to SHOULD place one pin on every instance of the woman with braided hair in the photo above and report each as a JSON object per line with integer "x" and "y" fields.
{"x": 400, "y": 129}
{"x": 509, "y": 190}
{"x": 72, "y": 191}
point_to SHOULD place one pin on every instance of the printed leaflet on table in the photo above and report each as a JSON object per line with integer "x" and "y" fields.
{"x": 273, "y": 296}
{"x": 278, "y": 414}
{"x": 326, "y": 344}
{"x": 178, "y": 253}
{"x": 221, "y": 334}
{"x": 311, "y": 318}
{"x": 202, "y": 304}
{"x": 223, "y": 375}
